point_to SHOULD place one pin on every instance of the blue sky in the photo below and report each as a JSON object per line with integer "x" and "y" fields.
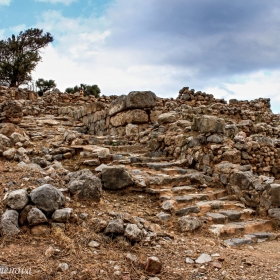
{"x": 227, "y": 48}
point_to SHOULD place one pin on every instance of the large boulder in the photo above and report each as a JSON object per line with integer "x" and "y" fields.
{"x": 136, "y": 116}
{"x": 35, "y": 217}
{"x": 17, "y": 199}
{"x": 133, "y": 233}
{"x": 115, "y": 177}
{"x": 208, "y": 124}
{"x": 9, "y": 223}
{"x": 5, "y": 142}
{"x": 11, "y": 111}
{"x": 85, "y": 185}
{"x": 167, "y": 118}
{"x": 47, "y": 198}
{"x": 118, "y": 105}
{"x": 134, "y": 100}
{"x": 188, "y": 223}
{"x": 140, "y": 99}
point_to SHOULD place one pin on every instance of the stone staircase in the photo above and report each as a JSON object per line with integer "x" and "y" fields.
{"x": 184, "y": 191}
{"x": 180, "y": 191}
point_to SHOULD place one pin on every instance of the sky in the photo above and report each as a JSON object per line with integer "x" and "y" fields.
{"x": 226, "y": 48}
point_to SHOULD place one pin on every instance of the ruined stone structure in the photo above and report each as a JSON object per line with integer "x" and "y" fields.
{"x": 208, "y": 161}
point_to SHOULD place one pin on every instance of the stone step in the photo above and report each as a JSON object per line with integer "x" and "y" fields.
{"x": 210, "y": 205}
{"x": 245, "y": 227}
{"x": 226, "y": 216}
{"x": 167, "y": 165}
{"x": 252, "y": 238}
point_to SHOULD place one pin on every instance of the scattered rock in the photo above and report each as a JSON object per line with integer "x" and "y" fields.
{"x": 115, "y": 227}
{"x": 188, "y": 223}
{"x": 94, "y": 244}
{"x": 116, "y": 177}
{"x": 153, "y": 265}
{"x": 85, "y": 185}
{"x": 133, "y": 233}
{"x": 203, "y": 258}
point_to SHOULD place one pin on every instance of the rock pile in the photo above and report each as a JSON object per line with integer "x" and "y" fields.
{"x": 38, "y": 209}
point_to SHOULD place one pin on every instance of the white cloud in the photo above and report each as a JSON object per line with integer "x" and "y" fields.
{"x": 5, "y": 2}
{"x": 260, "y": 84}
{"x": 66, "y": 2}
{"x": 99, "y": 51}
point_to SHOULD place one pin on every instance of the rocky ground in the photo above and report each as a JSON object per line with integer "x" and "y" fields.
{"x": 76, "y": 205}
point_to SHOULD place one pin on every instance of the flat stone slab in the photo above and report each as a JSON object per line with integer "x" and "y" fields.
{"x": 217, "y": 217}
{"x": 237, "y": 227}
{"x": 183, "y": 189}
{"x": 186, "y": 210}
{"x": 184, "y": 198}
{"x": 232, "y": 215}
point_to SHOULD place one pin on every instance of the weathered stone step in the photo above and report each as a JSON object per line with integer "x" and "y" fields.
{"x": 226, "y": 216}
{"x": 208, "y": 206}
{"x": 245, "y": 227}
{"x": 165, "y": 165}
{"x": 252, "y": 238}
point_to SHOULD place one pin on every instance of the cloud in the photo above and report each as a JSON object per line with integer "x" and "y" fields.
{"x": 5, "y": 2}
{"x": 66, "y": 2}
{"x": 260, "y": 84}
{"x": 220, "y": 46}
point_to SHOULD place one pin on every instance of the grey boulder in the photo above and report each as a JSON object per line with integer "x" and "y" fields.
{"x": 47, "y": 198}
{"x": 85, "y": 185}
{"x": 9, "y": 223}
{"x": 62, "y": 215}
{"x": 188, "y": 223}
{"x": 115, "y": 177}
{"x": 115, "y": 227}
{"x": 35, "y": 217}
{"x": 133, "y": 233}
{"x": 17, "y": 199}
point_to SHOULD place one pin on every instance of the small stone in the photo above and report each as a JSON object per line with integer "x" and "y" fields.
{"x": 83, "y": 216}
{"x": 115, "y": 227}
{"x": 153, "y": 265}
{"x": 216, "y": 265}
{"x": 62, "y": 215}
{"x": 63, "y": 267}
{"x": 203, "y": 258}
{"x": 94, "y": 244}
{"x": 189, "y": 260}
{"x": 50, "y": 252}
{"x": 131, "y": 257}
{"x": 133, "y": 233}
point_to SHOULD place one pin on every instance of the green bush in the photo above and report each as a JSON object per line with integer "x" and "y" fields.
{"x": 88, "y": 90}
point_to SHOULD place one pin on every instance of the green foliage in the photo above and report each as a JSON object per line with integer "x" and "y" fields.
{"x": 20, "y": 54}
{"x": 88, "y": 90}
{"x": 45, "y": 85}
